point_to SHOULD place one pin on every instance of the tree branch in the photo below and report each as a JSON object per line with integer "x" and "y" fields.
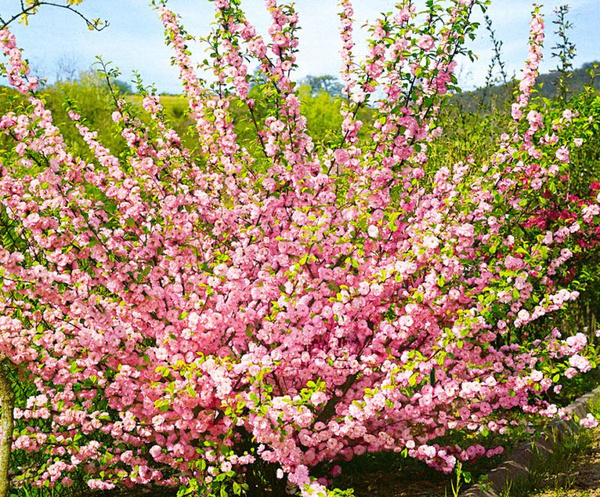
{"x": 92, "y": 24}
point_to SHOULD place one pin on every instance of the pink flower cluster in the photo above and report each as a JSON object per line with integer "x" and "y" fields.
{"x": 17, "y": 70}
{"x": 589, "y": 421}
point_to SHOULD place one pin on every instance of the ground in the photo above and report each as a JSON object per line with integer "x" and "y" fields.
{"x": 581, "y": 479}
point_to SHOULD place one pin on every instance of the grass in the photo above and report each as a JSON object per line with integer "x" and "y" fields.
{"x": 556, "y": 474}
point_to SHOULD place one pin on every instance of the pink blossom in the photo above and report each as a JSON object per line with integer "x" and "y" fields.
{"x": 562, "y": 154}
{"x": 589, "y": 421}
{"x": 425, "y": 42}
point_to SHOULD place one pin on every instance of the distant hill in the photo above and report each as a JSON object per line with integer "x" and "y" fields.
{"x": 497, "y": 95}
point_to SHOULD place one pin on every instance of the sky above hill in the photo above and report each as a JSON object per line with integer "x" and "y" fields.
{"x": 56, "y": 40}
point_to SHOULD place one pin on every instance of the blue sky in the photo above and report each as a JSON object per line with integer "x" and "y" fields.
{"x": 134, "y": 39}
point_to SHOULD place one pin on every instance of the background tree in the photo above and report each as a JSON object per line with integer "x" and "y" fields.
{"x": 326, "y": 83}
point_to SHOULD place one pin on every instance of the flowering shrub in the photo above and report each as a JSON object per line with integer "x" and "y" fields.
{"x": 227, "y": 322}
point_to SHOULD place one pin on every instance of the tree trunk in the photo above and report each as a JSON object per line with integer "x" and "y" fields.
{"x": 7, "y": 403}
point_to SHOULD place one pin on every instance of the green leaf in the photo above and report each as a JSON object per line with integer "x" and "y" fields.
{"x": 413, "y": 379}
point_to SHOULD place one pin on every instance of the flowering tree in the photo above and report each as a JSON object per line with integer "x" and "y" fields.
{"x": 226, "y": 321}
